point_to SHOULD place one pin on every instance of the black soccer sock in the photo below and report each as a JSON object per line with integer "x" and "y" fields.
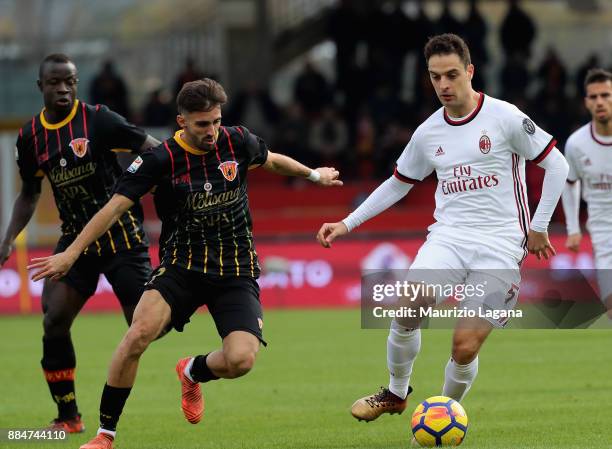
{"x": 111, "y": 406}
{"x": 200, "y": 372}
{"x": 58, "y": 363}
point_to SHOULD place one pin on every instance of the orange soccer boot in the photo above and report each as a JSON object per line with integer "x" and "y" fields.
{"x": 70, "y": 425}
{"x": 191, "y": 401}
{"x": 101, "y": 441}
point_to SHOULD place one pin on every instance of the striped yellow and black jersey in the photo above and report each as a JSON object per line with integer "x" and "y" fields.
{"x": 202, "y": 200}
{"x": 78, "y": 156}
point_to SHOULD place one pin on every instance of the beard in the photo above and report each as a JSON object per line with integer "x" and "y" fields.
{"x": 206, "y": 146}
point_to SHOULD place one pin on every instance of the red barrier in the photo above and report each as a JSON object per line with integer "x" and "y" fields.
{"x": 298, "y": 274}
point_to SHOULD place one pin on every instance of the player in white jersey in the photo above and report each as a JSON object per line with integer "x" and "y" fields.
{"x": 589, "y": 154}
{"x": 477, "y": 146}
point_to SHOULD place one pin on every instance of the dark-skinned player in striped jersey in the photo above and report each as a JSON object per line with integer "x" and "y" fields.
{"x": 74, "y": 145}
{"x": 209, "y": 258}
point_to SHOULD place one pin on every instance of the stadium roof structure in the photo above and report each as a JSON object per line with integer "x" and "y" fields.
{"x": 31, "y": 25}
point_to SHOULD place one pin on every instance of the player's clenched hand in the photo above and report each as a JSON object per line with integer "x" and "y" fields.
{"x": 329, "y": 232}
{"x": 52, "y": 267}
{"x": 538, "y": 244}
{"x": 573, "y": 242}
{"x": 329, "y": 176}
{"x": 5, "y": 251}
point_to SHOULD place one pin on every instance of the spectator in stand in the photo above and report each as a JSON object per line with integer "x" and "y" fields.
{"x": 423, "y": 26}
{"x": 253, "y": 106}
{"x": 423, "y": 29}
{"x": 591, "y": 63}
{"x": 384, "y": 104}
{"x": 551, "y": 101}
{"x": 552, "y": 71}
{"x": 447, "y": 23}
{"x": 518, "y": 32}
{"x": 390, "y": 34}
{"x": 159, "y": 110}
{"x": 390, "y": 147}
{"x": 292, "y": 135}
{"x": 329, "y": 137}
{"x": 425, "y": 98}
{"x": 364, "y": 144}
{"x": 514, "y": 78}
{"x": 190, "y": 73}
{"x": 109, "y": 89}
{"x": 345, "y": 29}
{"x": 474, "y": 29}
{"x": 311, "y": 90}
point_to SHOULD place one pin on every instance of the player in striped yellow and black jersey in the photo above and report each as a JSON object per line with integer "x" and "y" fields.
{"x": 77, "y": 155}
{"x": 208, "y": 194}
{"x": 200, "y": 181}
{"x": 71, "y": 144}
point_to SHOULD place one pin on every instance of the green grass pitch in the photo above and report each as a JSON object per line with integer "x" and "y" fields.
{"x": 535, "y": 389}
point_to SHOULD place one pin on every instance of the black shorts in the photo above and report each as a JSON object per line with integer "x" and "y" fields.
{"x": 127, "y": 272}
{"x": 233, "y": 301}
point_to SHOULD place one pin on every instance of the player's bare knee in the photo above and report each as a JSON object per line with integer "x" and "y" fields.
{"x": 138, "y": 338}
{"x": 239, "y": 362}
{"x": 413, "y": 320}
{"x": 465, "y": 350}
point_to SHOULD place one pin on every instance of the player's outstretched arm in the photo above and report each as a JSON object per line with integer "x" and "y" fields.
{"x": 386, "y": 195}
{"x": 149, "y": 142}
{"x": 571, "y": 208}
{"x": 23, "y": 209}
{"x": 56, "y": 266}
{"x": 284, "y": 165}
{"x": 329, "y": 232}
{"x": 554, "y": 181}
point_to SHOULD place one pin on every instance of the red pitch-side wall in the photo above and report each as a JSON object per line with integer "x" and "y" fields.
{"x": 297, "y": 274}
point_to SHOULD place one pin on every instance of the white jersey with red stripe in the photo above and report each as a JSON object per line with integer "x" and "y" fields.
{"x": 590, "y": 159}
{"x": 480, "y": 164}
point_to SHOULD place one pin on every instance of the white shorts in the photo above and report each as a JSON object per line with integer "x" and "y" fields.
{"x": 493, "y": 275}
{"x": 602, "y": 251}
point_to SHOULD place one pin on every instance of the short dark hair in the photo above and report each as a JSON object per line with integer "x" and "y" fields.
{"x": 447, "y": 44}
{"x": 200, "y": 95}
{"x": 596, "y": 75}
{"x": 59, "y": 58}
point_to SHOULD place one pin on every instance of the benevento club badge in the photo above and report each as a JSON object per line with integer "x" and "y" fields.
{"x": 79, "y": 146}
{"x": 229, "y": 169}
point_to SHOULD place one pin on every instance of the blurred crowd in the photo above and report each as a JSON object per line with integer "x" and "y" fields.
{"x": 361, "y": 122}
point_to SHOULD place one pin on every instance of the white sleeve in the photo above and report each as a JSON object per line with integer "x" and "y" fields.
{"x": 386, "y": 195}
{"x": 571, "y": 205}
{"x": 570, "y": 156}
{"x": 412, "y": 165}
{"x": 554, "y": 181}
{"x": 526, "y": 138}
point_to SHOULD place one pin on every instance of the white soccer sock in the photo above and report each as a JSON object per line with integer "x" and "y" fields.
{"x": 107, "y": 432}
{"x": 187, "y": 370}
{"x": 458, "y": 378}
{"x": 403, "y": 346}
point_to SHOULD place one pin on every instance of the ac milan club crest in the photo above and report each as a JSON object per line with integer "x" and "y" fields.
{"x": 229, "y": 169}
{"x": 79, "y": 146}
{"x": 528, "y": 126}
{"x": 484, "y": 144}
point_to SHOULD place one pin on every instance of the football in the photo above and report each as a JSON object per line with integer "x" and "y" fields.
{"x": 439, "y": 421}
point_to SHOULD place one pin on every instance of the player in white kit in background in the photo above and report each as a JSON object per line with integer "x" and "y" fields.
{"x": 477, "y": 146}
{"x": 589, "y": 154}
